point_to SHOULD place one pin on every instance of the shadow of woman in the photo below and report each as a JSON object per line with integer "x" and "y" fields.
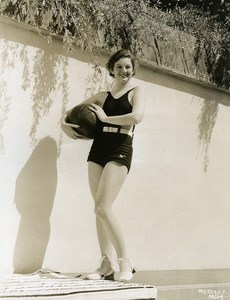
{"x": 34, "y": 197}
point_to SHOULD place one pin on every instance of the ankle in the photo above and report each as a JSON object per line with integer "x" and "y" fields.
{"x": 126, "y": 269}
{"x": 105, "y": 264}
{"x": 125, "y": 264}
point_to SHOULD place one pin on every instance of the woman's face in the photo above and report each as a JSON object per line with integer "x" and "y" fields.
{"x": 123, "y": 69}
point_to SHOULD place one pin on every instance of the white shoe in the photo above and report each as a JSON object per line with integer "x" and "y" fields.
{"x": 126, "y": 275}
{"x": 99, "y": 274}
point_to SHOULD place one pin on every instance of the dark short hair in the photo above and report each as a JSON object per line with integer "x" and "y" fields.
{"x": 118, "y": 55}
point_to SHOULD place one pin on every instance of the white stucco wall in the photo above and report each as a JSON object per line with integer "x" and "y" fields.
{"x": 174, "y": 214}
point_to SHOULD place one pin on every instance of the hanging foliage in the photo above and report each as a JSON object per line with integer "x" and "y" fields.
{"x": 206, "y": 123}
{"x": 212, "y": 40}
{"x": 139, "y": 25}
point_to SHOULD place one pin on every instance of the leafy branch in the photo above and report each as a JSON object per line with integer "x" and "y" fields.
{"x": 138, "y": 25}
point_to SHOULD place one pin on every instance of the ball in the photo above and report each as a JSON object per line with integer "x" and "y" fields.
{"x": 81, "y": 115}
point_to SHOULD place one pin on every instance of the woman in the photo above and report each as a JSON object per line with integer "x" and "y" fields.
{"x": 110, "y": 156}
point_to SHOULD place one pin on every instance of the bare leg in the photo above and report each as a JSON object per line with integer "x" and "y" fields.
{"x": 105, "y": 244}
{"x": 112, "y": 178}
{"x": 105, "y": 185}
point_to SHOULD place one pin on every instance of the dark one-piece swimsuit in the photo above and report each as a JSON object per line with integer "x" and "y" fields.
{"x": 113, "y": 146}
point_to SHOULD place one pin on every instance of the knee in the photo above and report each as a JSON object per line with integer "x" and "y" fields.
{"x": 101, "y": 211}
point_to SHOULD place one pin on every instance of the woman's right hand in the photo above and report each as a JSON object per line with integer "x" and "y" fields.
{"x": 67, "y": 128}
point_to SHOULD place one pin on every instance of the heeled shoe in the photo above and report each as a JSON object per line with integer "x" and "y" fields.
{"x": 126, "y": 275}
{"x": 99, "y": 274}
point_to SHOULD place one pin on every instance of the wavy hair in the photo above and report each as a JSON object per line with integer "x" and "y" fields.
{"x": 118, "y": 55}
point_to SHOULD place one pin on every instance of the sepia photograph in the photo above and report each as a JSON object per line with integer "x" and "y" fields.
{"x": 114, "y": 149}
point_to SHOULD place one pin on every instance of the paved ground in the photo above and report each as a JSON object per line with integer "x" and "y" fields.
{"x": 188, "y": 284}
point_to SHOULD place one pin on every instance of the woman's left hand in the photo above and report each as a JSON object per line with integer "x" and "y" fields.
{"x": 98, "y": 110}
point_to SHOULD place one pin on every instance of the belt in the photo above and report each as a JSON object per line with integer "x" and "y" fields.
{"x": 117, "y": 130}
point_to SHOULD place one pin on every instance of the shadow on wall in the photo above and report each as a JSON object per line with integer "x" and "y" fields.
{"x": 34, "y": 197}
{"x": 45, "y": 74}
{"x": 211, "y": 99}
{"x": 49, "y": 76}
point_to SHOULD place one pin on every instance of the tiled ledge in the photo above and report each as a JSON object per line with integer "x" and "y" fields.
{"x": 47, "y": 284}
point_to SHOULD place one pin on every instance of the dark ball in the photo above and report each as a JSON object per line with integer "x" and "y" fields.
{"x": 81, "y": 115}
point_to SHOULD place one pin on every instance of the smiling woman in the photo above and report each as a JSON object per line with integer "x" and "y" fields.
{"x": 115, "y": 61}
{"x": 123, "y": 69}
{"x": 110, "y": 158}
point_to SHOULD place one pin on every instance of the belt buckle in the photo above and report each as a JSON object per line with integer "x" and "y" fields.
{"x": 114, "y": 129}
{"x": 110, "y": 129}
